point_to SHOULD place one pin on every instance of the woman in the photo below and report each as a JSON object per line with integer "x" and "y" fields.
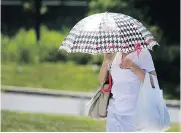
{"x": 127, "y": 71}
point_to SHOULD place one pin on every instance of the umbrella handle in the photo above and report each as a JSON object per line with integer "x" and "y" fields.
{"x": 110, "y": 85}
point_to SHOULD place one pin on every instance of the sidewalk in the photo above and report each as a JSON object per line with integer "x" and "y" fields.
{"x": 58, "y": 93}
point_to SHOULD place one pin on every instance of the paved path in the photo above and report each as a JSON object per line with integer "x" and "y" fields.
{"x": 55, "y": 105}
{"x": 66, "y": 94}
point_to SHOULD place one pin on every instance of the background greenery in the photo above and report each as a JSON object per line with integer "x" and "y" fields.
{"x": 31, "y": 122}
{"x": 19, "y": 45}
{"x": 60, "y": 76}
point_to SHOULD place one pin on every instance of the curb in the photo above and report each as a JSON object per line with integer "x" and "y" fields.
{"x": 58, "y": 93}
{"x": 45, "y": 92}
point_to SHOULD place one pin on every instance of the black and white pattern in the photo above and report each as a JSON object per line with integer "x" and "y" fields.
{"x": 107, "y": 32}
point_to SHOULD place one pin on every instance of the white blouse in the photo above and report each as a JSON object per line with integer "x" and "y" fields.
{"x": 126, "y": 83}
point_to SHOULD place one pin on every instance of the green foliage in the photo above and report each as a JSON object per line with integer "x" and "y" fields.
{"x": 59, "y": 76}
{"x": 119, "y": 6}
{"x": 33, "y": 122}
{"x": 20, "y": 48}
{"x": 49, "y": 44}
{"x": 97, "y": 6}
{"x": 30, "y": 6}
{"x": 80, "y": 58}
{"x": 97, "y": 60}
{"x": 23, "y": 48}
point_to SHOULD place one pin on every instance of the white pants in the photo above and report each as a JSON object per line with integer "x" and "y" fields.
{"x": 118, "y": 122}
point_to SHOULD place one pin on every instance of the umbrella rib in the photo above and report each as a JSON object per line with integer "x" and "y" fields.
{"x": 96, "y": 40}
{"x": 119, "y": 31}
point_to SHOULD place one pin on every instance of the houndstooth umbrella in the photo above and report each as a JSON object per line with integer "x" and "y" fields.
{"x": 108, "y": 33}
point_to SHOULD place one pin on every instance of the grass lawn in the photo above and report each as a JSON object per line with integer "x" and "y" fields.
{"x": 29, "y": 122}
{"x": 60, "y": 76}
{"x": 25, "y": 122}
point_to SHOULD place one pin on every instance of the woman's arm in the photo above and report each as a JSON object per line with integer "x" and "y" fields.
{"x": 103, "y": 72}
{"x": 138, "y": 71}
{"x": 127, "y": 63}
{"x": 141, "y": 73}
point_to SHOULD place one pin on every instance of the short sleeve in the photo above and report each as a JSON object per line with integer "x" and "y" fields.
{"x": 146, "y": 61}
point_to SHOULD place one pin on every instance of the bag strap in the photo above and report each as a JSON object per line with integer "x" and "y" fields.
{"x": 110, "y": 63}
{"x": 109, "y": 68}
{"x": 110, "y": 84}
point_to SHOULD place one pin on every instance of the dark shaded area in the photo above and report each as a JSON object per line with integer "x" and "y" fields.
{"x": 37, "y": 18}
{"x": 15, "y": 17}
{"x": 164, "y": 13}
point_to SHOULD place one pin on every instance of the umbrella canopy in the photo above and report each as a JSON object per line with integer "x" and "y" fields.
{"x": 108, "y": 33}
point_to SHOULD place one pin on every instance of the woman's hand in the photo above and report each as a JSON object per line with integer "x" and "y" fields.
{"x": 107, "y": 57}
{"x": 104, "y": 68}
{"x": 126, "y": 64}
{"x": 129, "y": 64}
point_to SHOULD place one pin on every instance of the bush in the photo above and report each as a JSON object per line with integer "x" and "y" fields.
{"x": 20, "y": 48}
{"x": 23, "y": 47}
{"x": 97, "y": 59}
{"x": 49, "y": 44}
{"x": 80, "y": 58}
